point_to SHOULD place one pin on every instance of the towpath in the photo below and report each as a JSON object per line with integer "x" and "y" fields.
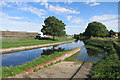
{"x": 64, "y": 69}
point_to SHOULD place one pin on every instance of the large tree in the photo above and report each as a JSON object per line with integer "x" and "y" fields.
{"x": 53, "y": 27}
{"x": 96, "y": 29}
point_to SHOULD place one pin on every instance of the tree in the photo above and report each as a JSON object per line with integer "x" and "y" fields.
{"x": 96, "y": 29}
{"x": 76, "y": 36}
{"x": 53, "y": 27}
{"x": 111, "y": 33}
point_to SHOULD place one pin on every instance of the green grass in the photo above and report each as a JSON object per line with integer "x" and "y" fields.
{"x": 104, "y": 39}
{"x": 107, "y": 68}
{"x": 94, "y": 48}
{"x": 105, "y": 45}
{"x": 71, "y": 58}
{"x": 117, "y": 42}
{"x": 18, "y": 42}
{"x": 11, "y": 71}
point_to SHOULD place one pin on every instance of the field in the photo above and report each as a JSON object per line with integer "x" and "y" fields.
{"x": 17, "y": 42}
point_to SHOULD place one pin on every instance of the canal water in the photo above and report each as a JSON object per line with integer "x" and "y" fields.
{"x": 21, "y": 57}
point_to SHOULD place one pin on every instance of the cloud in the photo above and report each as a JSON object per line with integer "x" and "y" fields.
{"x": 74, "y": 19}
{"x": 77, "y": 20}
{"x": 68, "y": 2}
{"x": 44, "y": 2}
{"x": 69, "y": 17}
{"x": 92, "y": 3}
{"x": 10, "y": 17}
{"x": 59, "y": 9}
{"x": 4, "y": 4}
{"x": 20, "y": 25}
{"x": 112, "y": 24}
{"x": 103, "y": 17}
{"x": 89, "y": 1}
{"x": 75, "y": 29}
{"x": 33, "y": 10}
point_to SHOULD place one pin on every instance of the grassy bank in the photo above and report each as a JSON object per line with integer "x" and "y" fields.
{"x": 17, "y": 42}
{"x": 107, "y": 46}
{"x": 11, "y": 71}
{"x": 104, "y": 39}
{"x": 107, "y": 68}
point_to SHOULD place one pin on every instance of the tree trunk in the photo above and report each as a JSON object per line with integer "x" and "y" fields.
{"x": 53, "y": 37}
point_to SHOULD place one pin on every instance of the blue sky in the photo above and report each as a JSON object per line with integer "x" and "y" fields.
{"x": 30, "y": 16}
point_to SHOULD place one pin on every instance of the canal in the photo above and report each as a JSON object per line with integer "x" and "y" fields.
{"x": 21, "y": 57}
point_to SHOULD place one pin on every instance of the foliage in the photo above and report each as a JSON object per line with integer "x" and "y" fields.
{"x": 119, "y": 35}
{"x": 12, "y": 71}
{"x": 96, "y": 29}
{"x": 53, "y": 27}
{"x": 76, "y": 36}
{"x": 111, "y": 33}
{"x": 107, "y": 68}
{"x": 35, "y": 70}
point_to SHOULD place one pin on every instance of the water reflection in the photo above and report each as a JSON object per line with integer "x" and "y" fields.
{"x": 52, "y": 50}
{"x": 88, "y": 55}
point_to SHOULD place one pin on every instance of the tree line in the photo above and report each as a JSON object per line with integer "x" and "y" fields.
{"x": 55, "y": 27}
{"x": 95, "y": 29}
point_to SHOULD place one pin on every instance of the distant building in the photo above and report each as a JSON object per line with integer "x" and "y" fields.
{"x": 117, "y": 34}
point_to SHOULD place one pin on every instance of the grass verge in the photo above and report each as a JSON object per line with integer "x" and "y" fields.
{"x": 12, "y": 71}
{"x": 18, "y": 42}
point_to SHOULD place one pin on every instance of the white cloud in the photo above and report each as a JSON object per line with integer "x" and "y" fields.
{"x": 68, "y": 2}
{"x": 4, "y": 15}
{"x": 74, "y": 19}
{"x": 59, "y": 9}
{"x": 89, "y": 1}
{"x": 69, "y": 17}
{"x": 4, "y": 4}
{"x": 36, "y": 11}
{"x": 44, "y": 2}
{"x": 77, "y": 20}
{"x": 112, "y": 24}
{"x": 103, "y": 17}
{"x": 20, "y": 25}
{"x": 94, "y": 4}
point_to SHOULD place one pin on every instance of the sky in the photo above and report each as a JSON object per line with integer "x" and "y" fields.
{"x": 30, "y": 16}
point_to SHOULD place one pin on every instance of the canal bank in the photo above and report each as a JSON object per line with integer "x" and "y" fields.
{"x": 46, "y": 63}
{"x": 7, "y": 50}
